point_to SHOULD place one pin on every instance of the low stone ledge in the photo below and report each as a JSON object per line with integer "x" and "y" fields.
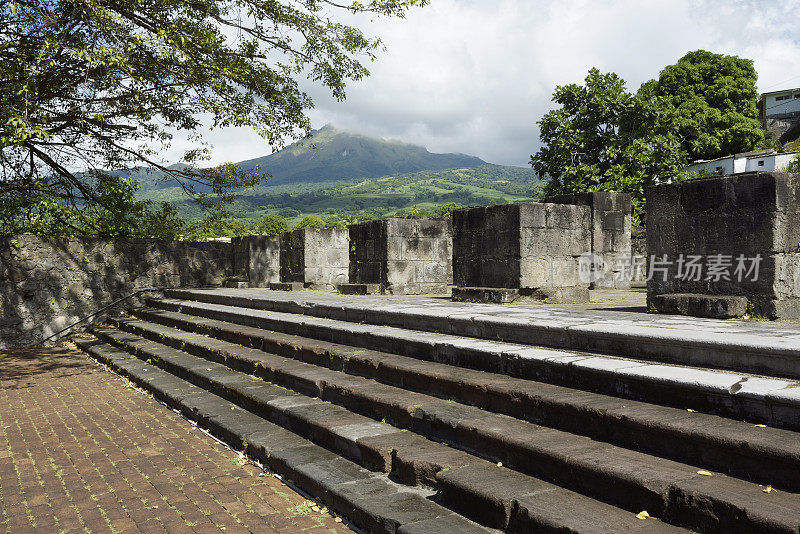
{"x": 287, "y": 286}
{"x": 359, "y": 289}
{"x": 495, "y": 295}
{"x": 505, "y": 295}
{"x": 697, "y": 305}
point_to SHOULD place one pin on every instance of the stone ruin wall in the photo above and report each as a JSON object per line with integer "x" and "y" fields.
{"x": 48, "y": 283}
{"x": 530, "y": 246}
{"x": 256, "y": 259}
{"x": 403, "y": 255}
{"x": 610, "y": 234}
{"x": 319, "y": 259}
{"x": 718, "y": 219}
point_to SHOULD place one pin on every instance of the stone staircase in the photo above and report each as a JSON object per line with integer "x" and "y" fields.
{"x": 402, "y": 429}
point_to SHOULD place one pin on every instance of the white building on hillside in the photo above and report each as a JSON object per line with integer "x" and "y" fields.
{"x": 783, "y": 104}
{"x": 760, "y": 160}
{"x": 779, "y": 111}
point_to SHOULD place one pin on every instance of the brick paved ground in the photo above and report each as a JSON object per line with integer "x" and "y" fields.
{"x": 82, "y": 451}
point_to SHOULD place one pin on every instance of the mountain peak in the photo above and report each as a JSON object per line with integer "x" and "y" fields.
{"x": 332, "y": 154}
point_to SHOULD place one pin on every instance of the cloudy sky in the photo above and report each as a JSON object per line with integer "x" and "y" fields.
{"x": 474, "y": 76}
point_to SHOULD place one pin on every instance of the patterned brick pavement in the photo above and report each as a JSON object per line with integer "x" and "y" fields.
{"x": 82, "y": 451}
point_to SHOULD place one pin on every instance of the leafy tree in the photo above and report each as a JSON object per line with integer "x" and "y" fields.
{"x": 794, "y": 165}
{"x": 270, "y": 225}
{"x": 715, "y": 100}
{"x": 311, "y": 221}
{"x": 118, "y": 214}
{"x": 214, "y": 226}
{"x": 95, "y": 84}
{"x": 446, "y": 210}
{"x": 603, "y": 138}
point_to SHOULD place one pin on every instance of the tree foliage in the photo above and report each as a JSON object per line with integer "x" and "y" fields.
{"x": 215, "y": 226}
{"x": 714, "y": 97}
{"x": 447, "y": 209}
{"x": 116, "y": 214}
{"x": 794, "y": 165}
{"x": 311, "y": 221}
{"x": 603, "y": 138}
{"x": 270, "y": 225}
{"x": 100, "y": 84}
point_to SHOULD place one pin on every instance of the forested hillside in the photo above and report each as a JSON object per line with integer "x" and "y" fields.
{"x": 398, "y": 193}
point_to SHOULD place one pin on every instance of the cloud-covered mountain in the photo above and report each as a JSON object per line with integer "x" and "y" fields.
{"x": 331, "y": 154}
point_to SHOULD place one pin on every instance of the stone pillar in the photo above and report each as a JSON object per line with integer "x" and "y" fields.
{"x": 704, "y": 238}
{"x": 529, "y": 250}
{"x": 256, "y": 259}
{"x": 317, "y": 259}
{"x": 408, "y": 256}
{"x": 639, "y": 256}
{"x": 611, "y": 236}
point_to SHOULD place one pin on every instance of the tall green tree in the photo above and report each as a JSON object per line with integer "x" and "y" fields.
{"x": 446, "y": 210}
{"x": 603, "y": 138}
{"x": 715, "y": 99}
{"x": 103, "y": 84}
{"x": 270, "y": 225}
{"x": 311, "y": 221}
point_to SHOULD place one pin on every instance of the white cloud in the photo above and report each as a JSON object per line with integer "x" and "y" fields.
{"x": 474, "y": 76}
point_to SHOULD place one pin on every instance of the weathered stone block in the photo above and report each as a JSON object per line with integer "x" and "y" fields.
{"x": 257, "y": 259}
{"x": 610, "y": 228}
{"x": 315, "y": 258}
{"x": 741, "y": 229}
{"x": 403, "y": 255}
{"x": 533, "y": 247}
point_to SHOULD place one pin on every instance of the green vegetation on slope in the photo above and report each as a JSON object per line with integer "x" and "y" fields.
{"x": 422, "y": 191}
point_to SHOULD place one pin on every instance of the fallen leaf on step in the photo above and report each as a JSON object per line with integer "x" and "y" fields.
{"x": 690, "y": 410}
{"x": 315, "y": 508}
{"x": 499, "y": 464}
{"x": 768, "y": 489}
{"x": 337, "y": 520}
{"x": 760, "y": 426}
{"x": 643, "y": 514}
{"x": 705, "y": 473}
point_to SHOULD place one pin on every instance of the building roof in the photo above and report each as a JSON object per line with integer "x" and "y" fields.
{"x": 749, "y": 155}
{"x": 753, "y": 154}
{"x": 795, "y": 90}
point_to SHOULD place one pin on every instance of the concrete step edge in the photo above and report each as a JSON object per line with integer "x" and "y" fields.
{"x": 737, "y": 448}
{"x": 742, "y": 352}
{"x": 754, "y": 398}
{"x": 618, "y": 482}
{"x": 509, "y": 512}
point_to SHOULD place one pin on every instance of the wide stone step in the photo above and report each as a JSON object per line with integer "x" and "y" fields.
{"x": 766, "y": 455}
{"x": 409, "y": 457}
{"x": 628, "y": 479}
{"x": 754, "y": 398}
{"x": 765, "y": 349}
{"x": 369, "y": 500}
